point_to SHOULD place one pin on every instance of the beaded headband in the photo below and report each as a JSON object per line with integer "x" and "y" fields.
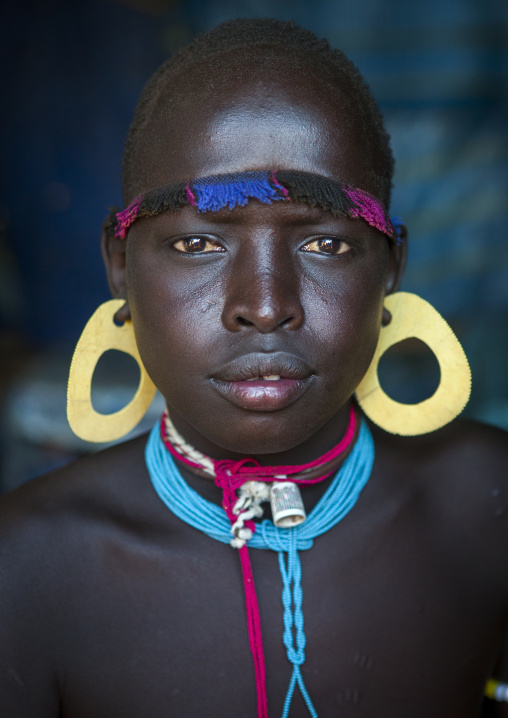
{"x": 213, "y": 193}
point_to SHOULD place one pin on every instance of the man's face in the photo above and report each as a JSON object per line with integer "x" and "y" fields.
{"x": 257, "y": 323}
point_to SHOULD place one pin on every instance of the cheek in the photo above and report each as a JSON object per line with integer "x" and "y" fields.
{"x": 344, "y": 319}
{"x": 174, "y": 321}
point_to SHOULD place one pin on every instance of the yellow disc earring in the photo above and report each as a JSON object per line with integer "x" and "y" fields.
{"x": 413, "y": 317}
{"x": 100, "y": 334}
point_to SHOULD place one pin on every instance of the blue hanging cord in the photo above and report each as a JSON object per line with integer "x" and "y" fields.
{"x": 293, "y": 615}
{"x": 337, "y": 501}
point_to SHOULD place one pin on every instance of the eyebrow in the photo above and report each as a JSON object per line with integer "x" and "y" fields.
{"x": 215, "y": 192}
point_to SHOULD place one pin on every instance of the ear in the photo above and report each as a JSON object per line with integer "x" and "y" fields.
{"x": 396, "y": 261}
{"x": 114, "y": 256}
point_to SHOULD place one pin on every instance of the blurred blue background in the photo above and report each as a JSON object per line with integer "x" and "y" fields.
{"x": 72, "y": 73}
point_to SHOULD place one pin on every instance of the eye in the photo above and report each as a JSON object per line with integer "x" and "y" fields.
{"x": 327, "y": 245}
{"x": 196, "y": 245}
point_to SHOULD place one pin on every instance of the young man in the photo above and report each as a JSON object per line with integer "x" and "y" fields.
{"x": 257, "y": 324}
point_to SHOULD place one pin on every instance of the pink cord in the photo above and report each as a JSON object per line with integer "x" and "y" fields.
{"x": 229, "y": 498}
{"x": 254, "y": 628}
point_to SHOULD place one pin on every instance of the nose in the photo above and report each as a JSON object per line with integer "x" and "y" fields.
{"x": 263, "y": 293}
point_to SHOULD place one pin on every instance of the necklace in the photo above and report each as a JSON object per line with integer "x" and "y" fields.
{"x": 338, "y": 500}
{"x": 250, "y": 478}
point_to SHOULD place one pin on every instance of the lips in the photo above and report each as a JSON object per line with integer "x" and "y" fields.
{"x": 263, "y": 382}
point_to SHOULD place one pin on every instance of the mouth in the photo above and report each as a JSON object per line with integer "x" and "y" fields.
{"x": 263, "y": 382}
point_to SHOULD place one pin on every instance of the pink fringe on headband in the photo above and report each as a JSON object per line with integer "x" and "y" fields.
{"x": 368, "y": 208}
{"x": 127, "y": 217}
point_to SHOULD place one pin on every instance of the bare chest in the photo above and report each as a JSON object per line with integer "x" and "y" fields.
{"x": 395, "y": 625}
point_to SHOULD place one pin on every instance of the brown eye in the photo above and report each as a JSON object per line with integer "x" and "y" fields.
{"x": 327, "y": 245}
{"x": 196, "y": 245}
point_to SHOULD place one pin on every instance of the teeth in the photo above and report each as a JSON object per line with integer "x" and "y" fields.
{"x": 265, "y": 377}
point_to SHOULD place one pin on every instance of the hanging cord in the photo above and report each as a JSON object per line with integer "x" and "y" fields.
{"x": 254, "y": 630}
{"x": 293, "y": 615}
{"x": 223, "y": 480}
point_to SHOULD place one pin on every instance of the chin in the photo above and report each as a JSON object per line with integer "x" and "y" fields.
{"x": 273, "y": 433}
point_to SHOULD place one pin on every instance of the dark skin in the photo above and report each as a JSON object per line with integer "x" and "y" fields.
{"x": 113, "y": 608}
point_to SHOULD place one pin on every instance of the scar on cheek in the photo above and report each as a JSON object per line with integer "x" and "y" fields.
{"x": 211, "y": 194}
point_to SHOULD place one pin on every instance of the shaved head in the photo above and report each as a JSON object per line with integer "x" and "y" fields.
{"x": 265, "y": 62}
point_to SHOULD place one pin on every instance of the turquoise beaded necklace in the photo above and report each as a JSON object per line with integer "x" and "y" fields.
{"x": 338, "y": 500}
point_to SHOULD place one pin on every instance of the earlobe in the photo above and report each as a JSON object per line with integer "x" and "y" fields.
{"x": 397, "y": 260}
{"x": 113, "y": 252}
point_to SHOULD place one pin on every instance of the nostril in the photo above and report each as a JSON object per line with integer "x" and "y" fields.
{"x": 243, "y": 322}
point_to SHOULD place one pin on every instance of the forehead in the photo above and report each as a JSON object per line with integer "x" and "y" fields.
{"x": 237, "y": 121}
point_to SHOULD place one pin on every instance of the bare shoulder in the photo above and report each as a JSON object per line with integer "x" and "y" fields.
{"x": 465, "y": 454}
{"x": 467, "y": 451}
{"x": 49, "y": 525}
{"x": 54, "y": 537}
{"x": 92, "y": 485}
{"x": 458, "y": 477}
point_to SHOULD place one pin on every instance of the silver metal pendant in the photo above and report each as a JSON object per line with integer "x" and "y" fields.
{"x": 287, "y": 505}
